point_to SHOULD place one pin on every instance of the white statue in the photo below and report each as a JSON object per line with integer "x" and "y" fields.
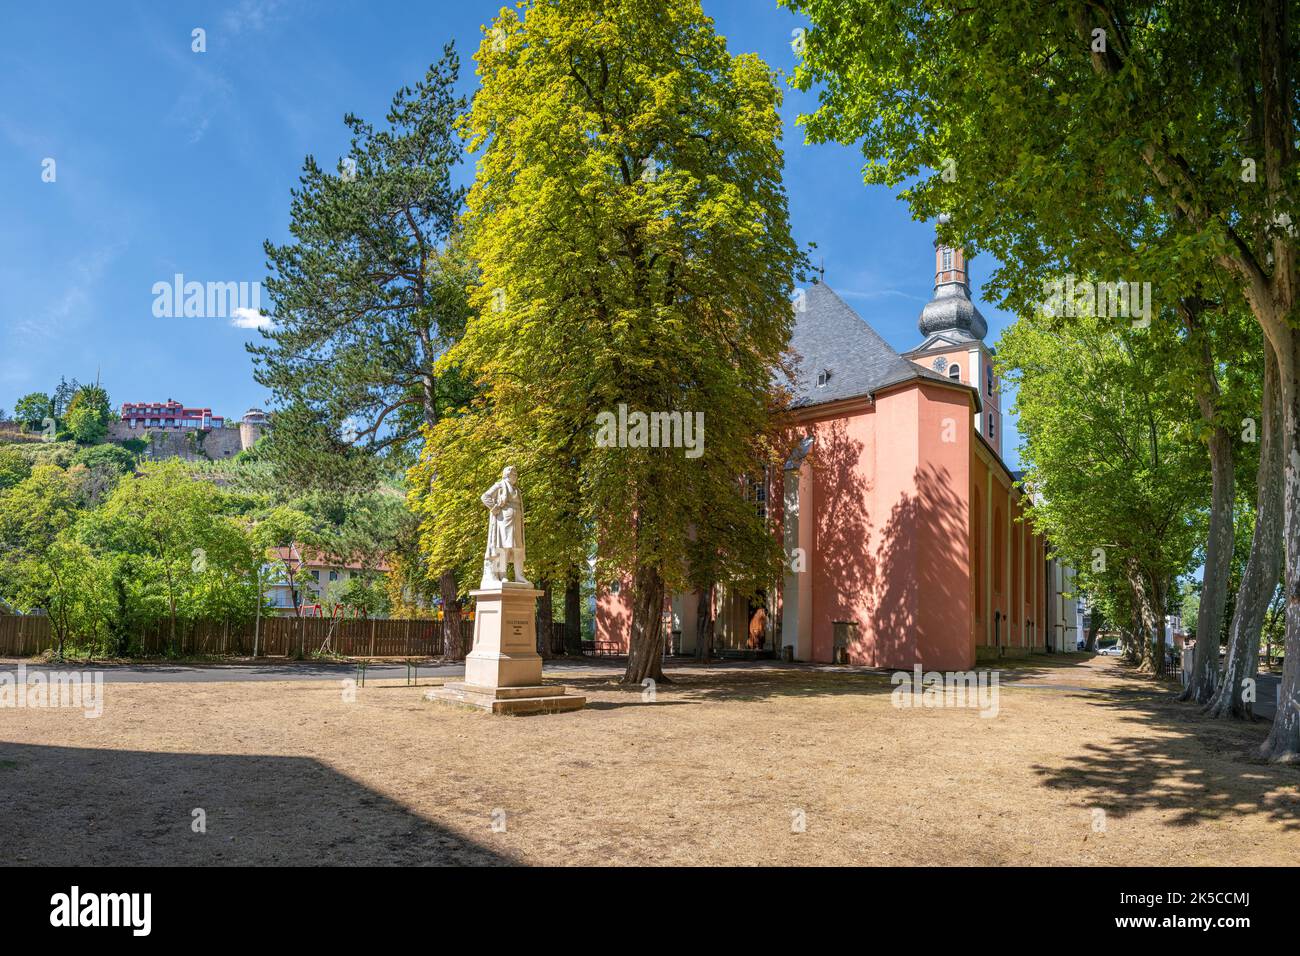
{"x": 505, "y": 542}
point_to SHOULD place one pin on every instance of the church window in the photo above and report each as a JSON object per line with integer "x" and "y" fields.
{"x": 999, "y": 553}
{"x": 1017, "y": 532}
{"x": 991, "y": 435}
{"x": 823, "y": 377}
{"x": 947, "y": 259}
{"x": 977, "y": 550}
{"x": 954, "y": 372}
{"x": 756, "y": 491}
{"x": 989, "y": 378}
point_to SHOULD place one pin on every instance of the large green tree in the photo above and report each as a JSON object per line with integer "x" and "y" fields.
{"x": 36, "y": 561}
{"x": 631, "y": 226}
{"x": 1113, "y": 458}
{"x": 187, "y": 559}
{"x": 88, "y": 414}
{"x": 1024, "y": 111}
{"x": 369, "y": 293}
{"x": 33, "y": 409}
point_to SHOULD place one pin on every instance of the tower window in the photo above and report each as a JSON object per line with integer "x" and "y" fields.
{"x": 989, "y": 378}
{"x": 991, "y": 429}
{"x": 946, "y": 259}
{"x": 954, "y": 372}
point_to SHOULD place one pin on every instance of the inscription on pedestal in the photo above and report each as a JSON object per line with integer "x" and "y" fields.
{"x": 519, "y": 632}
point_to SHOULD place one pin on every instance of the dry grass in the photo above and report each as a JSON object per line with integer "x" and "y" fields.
{"x": 708, "y": 774}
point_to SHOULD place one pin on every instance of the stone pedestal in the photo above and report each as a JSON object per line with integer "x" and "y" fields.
{"x": 503, "y": 672}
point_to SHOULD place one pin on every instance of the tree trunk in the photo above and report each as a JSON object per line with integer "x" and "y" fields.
{"x": 1094, "y": 625}
{"x": 545, "y": 617}
{"x": 453, "y": 646}
{"x": 1269, "y": 627}
{"x": 257, "y": 621}
{"x": 1259, "y": 580}
{"x": 645, "y": 655}
{"x": 1283, "y": 742}
{"x": 573, "y": 617}
{"x": 1204, "y": 677}
{"x": 1132, "y": 641}
{"x": 1140, "y": 652}
{"x": 704, "y": 625}
{"x": 1159, "y": 591}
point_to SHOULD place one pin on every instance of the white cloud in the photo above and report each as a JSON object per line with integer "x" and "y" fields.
{"x": 246, "y": 318}
{"x": 252, "y": 15}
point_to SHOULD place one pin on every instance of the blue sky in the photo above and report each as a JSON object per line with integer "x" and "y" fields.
{"x": 170, "y": 161}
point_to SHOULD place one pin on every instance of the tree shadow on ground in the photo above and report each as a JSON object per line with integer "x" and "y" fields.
{"x": 1172, "y": 759}
{"x": 68, "y": 806}
{"x": 727, "y": 684}
{"x": 743, "y": 680}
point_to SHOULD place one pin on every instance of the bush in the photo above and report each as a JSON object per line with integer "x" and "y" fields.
{"x": 14, "y": 467}
{"x": 116, "y": 457}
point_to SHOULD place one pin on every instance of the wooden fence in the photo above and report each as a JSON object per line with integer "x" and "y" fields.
{"x": 26, "y": 635}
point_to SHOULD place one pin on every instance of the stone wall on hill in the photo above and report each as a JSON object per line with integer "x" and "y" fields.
{"x": 188, "y": 444}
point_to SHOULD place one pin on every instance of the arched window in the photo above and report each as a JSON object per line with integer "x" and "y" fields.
{"x": 988, "y": 378}
{"x": 954, "y": 372}
{"x": 1029, "y": 570}
{"x": 977, "y": 553}
{"x": 991, "y": 427}
{"x": 1017, "y": 534}
{"x": 946, "y": 259}
{"x": 999, "y": 554}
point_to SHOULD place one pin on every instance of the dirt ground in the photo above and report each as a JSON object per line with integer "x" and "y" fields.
{"x": 1085, "y": 763}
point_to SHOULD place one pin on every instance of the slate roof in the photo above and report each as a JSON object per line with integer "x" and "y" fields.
{"x": 830, "y": 336}
{"x": 951, "y": 310}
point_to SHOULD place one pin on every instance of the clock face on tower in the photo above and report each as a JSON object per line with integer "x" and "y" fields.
{"x": 940, "y": 364}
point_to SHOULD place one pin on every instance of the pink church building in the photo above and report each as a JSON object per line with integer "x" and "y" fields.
{"x": 901, "y": 523}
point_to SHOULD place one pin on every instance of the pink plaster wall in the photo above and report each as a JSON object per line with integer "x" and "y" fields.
{"x": 614, "y": 617}
{"x": 892, "y": 529}
{"x": 893, "y": 492}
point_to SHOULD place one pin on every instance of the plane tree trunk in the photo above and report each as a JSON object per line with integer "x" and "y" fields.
{"x": 1203, "y": 679}
{"x": 1259, "y": 580}
{"x": 1094, "y": 625}
{"x": 1283, "y": 742}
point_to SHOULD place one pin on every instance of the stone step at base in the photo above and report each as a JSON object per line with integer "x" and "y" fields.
{"x": 536, "y": 699}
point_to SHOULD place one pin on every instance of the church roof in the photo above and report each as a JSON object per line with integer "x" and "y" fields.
{"x": 830, "y": 338}
{"x": 951, "y": 311}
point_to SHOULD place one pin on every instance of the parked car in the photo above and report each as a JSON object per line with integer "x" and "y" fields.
{"x": 1112, "y": 651}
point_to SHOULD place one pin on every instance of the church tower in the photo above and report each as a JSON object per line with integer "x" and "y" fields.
{"x": 953, "y": 344}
